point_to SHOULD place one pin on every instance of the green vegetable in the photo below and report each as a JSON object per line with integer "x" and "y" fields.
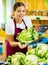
{"x": 18, "y": 59}
{"x": 38, "y": 55}
{"x": 30, "y": 52}
{"x": 9, "y": 59}
{"x": 41, "y": 50}
{"x": 27, "y": 36}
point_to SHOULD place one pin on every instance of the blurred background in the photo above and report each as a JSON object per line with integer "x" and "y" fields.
{"x": 36, "y": 10}
{"x": 33, "y": 8}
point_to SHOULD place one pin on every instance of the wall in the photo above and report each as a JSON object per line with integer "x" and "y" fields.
{"x": 9, "y": 6}
{"x": 35, "y": 4}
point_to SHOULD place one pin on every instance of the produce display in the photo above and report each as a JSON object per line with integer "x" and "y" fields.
{"x": 41, "y": 52}
{"x": 36, "y": 56}
{"x": 27, "y": 36}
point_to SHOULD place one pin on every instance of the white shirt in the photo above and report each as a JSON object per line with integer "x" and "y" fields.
{"x": 10, "y": 27}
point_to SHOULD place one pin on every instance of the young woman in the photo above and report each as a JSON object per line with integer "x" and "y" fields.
{"x": 19, "y": 22}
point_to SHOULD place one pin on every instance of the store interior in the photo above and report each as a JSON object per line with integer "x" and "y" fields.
{"x": 37, "y": 12}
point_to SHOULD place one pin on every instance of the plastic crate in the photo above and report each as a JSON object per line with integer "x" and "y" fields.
{"x": 1, "y": 48}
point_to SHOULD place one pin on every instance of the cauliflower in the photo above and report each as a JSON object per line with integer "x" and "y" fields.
{"x": 31, "y": 60}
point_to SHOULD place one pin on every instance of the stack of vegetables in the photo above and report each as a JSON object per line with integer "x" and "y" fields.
{"x": 27, "y": 36}
{"x": 40, "y": 53}
{"x": 33, "y": 57}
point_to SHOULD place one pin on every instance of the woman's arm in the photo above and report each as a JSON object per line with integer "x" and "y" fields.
{"x": 13, "y": 43}
{"x": 10, "y": 38}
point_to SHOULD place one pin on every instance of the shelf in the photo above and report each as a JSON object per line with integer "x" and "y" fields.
{"x": 41, "y": 17}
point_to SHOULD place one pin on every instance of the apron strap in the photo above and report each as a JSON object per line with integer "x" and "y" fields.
{"x": 24, "y": 23}
{"x": 15, "y": 25}
{"x": 16, "y": 30}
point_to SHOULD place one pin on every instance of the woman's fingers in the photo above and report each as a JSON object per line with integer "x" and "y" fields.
{"x": 22, "y": 46}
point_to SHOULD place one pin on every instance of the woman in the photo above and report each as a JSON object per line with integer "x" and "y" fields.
{"x": 19, "y": 22}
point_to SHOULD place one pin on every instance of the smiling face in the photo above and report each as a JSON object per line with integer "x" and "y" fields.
{"x": 19, "y": 12}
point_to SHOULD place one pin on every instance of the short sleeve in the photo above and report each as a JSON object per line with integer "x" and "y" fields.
{"x": 9, "y": 27}
{"x": 28, "y": 22}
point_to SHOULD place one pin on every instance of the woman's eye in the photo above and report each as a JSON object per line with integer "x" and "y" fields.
{"x": 21, "y": 11}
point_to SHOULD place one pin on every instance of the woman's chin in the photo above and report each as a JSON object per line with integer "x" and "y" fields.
{"x": 21, "y": 17}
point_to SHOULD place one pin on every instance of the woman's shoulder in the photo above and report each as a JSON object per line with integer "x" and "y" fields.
{"x": 9, "y": 27}
{"x": 10, "y": 22}
{"x": 28, "y": 21}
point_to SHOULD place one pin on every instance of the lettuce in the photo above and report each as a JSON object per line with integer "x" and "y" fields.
{"x": 27, "y": 36}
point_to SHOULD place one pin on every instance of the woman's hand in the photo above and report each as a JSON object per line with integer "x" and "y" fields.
{"x": 14, "y": 44}
{"x": 21, "y": 45}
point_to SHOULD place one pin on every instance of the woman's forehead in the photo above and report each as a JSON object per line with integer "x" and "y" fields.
{"x": 20, "y": 8}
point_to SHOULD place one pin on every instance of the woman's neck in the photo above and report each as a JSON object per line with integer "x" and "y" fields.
{"x": 18, "y": 20}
